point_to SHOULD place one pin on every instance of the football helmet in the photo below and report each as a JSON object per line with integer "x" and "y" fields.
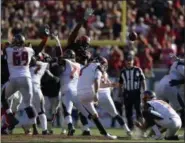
{"x": 103, "y": 62}
{"x": 148, "y": 95}
{"x": 18, "y": 40}
{"x": 84, "y": 41}
{"x": 69, "y": 54}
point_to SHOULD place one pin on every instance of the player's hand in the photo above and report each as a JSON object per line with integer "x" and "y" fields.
{"x": 174, "y": 82}
{"x": 44, "y": 31}
{"x": 88, "y": 13}
{"x": 55, "y": 36}
{"x": 47, "y": 30}
{"x": 115, "y": 85}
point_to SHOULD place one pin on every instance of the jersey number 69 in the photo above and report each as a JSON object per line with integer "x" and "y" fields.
{"x": 20, "y": 58}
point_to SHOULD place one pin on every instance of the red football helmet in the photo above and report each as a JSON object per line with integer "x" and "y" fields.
{"x": 103, "y": 62}
{"x": 84, "y": 40}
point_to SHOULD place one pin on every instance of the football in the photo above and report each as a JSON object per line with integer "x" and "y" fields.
{"x": 132, "y": 36}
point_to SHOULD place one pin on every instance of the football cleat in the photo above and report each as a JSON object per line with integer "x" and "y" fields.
{"x": 112, "y": 137}
{"x": 86, "y": 133}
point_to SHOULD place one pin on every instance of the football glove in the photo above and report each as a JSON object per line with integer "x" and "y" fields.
{"x": 88, "y": 13}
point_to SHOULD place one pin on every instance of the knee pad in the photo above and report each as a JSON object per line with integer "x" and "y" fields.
{"x": 65, "y": 110}
{"x": 30, "y": 112}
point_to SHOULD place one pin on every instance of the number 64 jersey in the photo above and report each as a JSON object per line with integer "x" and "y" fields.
{"x": 18, "y": 60}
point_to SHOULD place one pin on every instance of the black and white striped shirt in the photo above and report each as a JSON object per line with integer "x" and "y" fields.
{"x": 131, "y": 78}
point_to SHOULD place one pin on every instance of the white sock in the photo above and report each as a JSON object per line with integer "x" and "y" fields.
{"x": 156, "y": 130}
{"x": 68, "y": 119}
{"x": 86, "y": 128}
{"x": 126, "y": 127}
{"x": 43, "y": 122}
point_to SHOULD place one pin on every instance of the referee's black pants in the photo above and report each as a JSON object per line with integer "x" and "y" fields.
{"x": 132, "y": 99}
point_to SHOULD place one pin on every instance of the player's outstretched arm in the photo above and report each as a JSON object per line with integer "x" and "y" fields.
{"x": 59, "y": 51}
{"x": 73, "y": 35}
{"x": 41, "y": 45}
{"x": 45, "y": 33}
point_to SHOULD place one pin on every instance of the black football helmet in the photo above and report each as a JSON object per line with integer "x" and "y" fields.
{"x": 18, "y": 40}
{"x": 69, "y": 54}
{"x": 44, "y": 57}
{"x": 148, "y": 95}
{"x": 82, "y": 56}
{"x": 84, "y": 41}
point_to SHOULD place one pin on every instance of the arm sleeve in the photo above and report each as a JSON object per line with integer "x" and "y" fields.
{"x": 149, "y": 111}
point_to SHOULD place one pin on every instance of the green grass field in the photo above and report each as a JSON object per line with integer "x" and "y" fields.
{"x": 19, "y": 136}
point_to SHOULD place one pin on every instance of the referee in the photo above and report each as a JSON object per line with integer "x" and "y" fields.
{"x": 132, "y": 80}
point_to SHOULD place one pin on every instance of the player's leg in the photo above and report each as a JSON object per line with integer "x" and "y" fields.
{"x": 67, "y": 106}
{"x": 119, "y": 109}
{"x": 53, "y": 107}
{"x": 171, "y": 93}
{"x": 83, "y": 115}
{"x": 9, "y": 89}
{"x": 38, "y": 102}
{"x": 62, "y": 120}
{"x": 172, "y": 128}
{"x": 94, "y": 116}
{"x": 150, "y": 122}
{"x": 4, "y": 124}
{"x": 106, "y": 102}
{"x": 25, "y": 86}
{"x": 49, "y": 116}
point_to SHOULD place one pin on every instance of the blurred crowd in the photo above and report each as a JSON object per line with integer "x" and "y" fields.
{"x": 158, "y": 23}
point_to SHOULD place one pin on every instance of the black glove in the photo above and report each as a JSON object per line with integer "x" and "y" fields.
{"x": 174, "y": 82}
{"x": 45, "y": 31}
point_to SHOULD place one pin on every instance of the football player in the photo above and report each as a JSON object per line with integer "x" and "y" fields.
{"x": 37, "y": 72}
{"x": 73, "y": 42}
{"x": 105, "y": 99}
{"x": 88, "y": 87}
{"x": 171, "y": 86}
{"x": 18, "y": 60}
{"x": 50, "y": 87}
{"x": 159, "y": 113}
{"x": 68, "y": 81}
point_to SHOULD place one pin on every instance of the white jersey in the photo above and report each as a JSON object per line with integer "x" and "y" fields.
{"x": 69, "y": 77}
{"x": 177, "y": 71}
{"x": 41, "y": 67}
{"x": 104, "y": 79}
{"x": 18, "y": 60}
{"x": 163, "y": 108}
{"x": 87, "y": 76}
